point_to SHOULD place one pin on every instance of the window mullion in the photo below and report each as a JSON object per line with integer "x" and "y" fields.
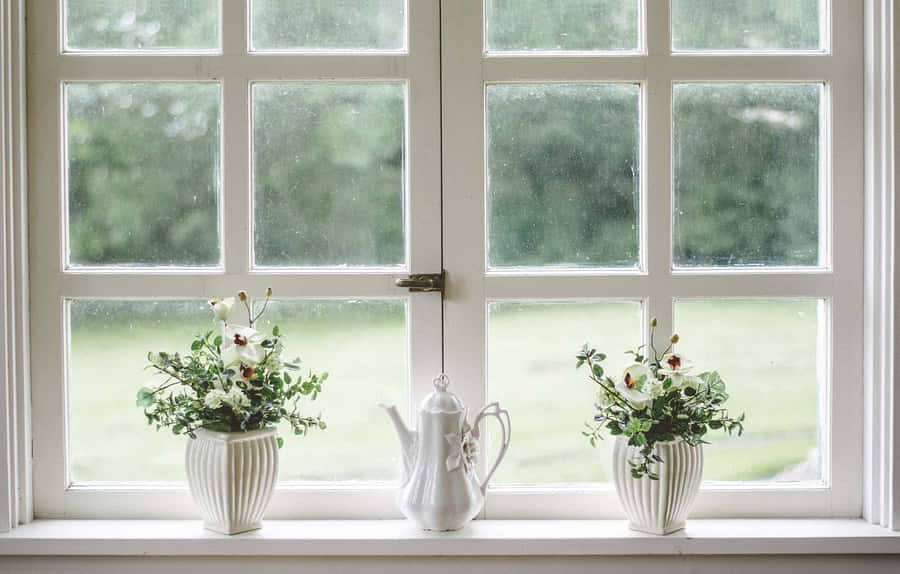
{"x": 656, "y": 141}
{"x": 235, "y": 203}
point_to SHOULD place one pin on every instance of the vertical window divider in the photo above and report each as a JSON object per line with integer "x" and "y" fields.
{"x": 657, "y": 180}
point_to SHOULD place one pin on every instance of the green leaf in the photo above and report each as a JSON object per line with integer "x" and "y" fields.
{"x": 275, "y": 331}
{"x": 145, "y": 397}
{"x": 279, "y": 440}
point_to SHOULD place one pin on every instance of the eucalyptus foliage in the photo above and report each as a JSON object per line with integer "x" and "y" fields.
{"x": 230, "y": 382}
{"x": 656, "y": 400}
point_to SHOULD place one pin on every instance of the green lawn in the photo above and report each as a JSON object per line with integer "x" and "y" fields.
{"x": 766, "y": 352}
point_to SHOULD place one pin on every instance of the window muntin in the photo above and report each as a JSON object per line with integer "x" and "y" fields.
{"x": 126, "y": 25}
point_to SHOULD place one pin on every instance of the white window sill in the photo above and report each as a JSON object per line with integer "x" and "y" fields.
{"x": 481, "y": 538}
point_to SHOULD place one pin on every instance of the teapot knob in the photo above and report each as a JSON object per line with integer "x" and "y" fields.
{"x": 441, "y": 382}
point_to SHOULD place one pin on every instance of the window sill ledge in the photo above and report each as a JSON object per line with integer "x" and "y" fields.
{"x": 481, "y": 538}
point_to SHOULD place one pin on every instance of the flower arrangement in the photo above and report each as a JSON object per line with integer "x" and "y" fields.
{"x": 656, "y": 400}
{"x": 233, "y": 381}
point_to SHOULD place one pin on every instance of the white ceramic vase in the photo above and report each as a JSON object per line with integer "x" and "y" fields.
{"x": 658, "y": 506}
{"x": 232, "y": 476}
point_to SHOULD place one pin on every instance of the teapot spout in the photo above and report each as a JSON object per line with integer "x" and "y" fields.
{"x": 407, "y": 438}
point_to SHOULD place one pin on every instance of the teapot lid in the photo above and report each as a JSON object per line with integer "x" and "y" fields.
{"x": 441, "y": 400}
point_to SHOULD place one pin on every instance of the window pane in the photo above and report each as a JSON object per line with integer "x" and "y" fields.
{"x": 109, "y": 345}
{"x": 551, "y": 25}
{"x": 328, "y": 24}
{"x": 563, "y": 183}
{"x": 533, "y": 376}
{"x": 142, "y": 25}
{"x": 746, "y": 165}
{"x": 741, "y": 25}
{"x": 143, "y": 178}
{"x": 329, "y": 174}
{"x": 768, "y": 354}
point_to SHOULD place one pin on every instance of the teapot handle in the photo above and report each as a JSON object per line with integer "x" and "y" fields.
{"x": 502, "y": 415}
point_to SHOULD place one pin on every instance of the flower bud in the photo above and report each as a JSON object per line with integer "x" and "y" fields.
{"x": 242, "y": 295}
{"x": 653, "y": 322}
{"x": 674, "y": 338}
{"x": 268, "y": 291}
{"x": 222, "y": 308}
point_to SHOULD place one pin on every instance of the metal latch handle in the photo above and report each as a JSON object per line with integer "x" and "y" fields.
{"x": 422, "y": 282}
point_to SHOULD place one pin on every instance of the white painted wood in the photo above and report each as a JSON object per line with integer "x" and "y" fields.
{"x": 480, "y": 538}
{"x": 234, "y": 69}
{"x": 15, "y": 496}
{"x": 832, "y": 564}
{"x": 837, "y": 282}
{"x": 882, "y": 405}
{"x": 464, "y": 72}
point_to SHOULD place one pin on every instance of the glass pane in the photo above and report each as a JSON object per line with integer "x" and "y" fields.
{"x": 143, "y": 176}
{"x": 551, "y": 25}
{"x": 741, "y": 25}
{"x": 328, "y": 24}
{"x": 329, "y": 174}
{"x": 768, "y": 354}
{"x": 563, "y": 175}
{"x": 110, "y": 341}
{"x": 533, "y": 376}
{"x": 142, "y": 24}
{"x": 747, "y": 165}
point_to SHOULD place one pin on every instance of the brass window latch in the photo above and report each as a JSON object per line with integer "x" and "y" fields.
{"x": 423, "y": 282}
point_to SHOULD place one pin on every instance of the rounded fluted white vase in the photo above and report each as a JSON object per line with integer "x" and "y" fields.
{"x": 658, "y": 506}
{"x": 232, "y": 476}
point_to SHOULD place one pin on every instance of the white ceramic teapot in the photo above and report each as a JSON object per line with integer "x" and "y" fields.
{"x": 439, "y": 489}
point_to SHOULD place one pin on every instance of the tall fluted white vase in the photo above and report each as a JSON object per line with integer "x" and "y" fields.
{"x": 658, "y": 506}
{"x": 232, "y": 477}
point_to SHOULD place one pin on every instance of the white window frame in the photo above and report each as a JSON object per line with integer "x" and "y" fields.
{"x": 881, "y": 468}
{"x": 235, "y": 68}
{"x": 655, "y": 283}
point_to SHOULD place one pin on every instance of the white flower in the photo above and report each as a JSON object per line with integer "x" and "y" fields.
{"x": 635, "y": 398}
{"x": 272, "y": 363}
{"x": 222, "y": 308}
{"x": 636, "y": 376}
{"x": 673, "y": 363}
{"x": 653, "y": 388}
{"x": 602, "y": 399}
{"x": 236, "y": 399}
{"x": 214, "y": 398}
{"x": 156, "y": 359}
{"x": 242, "y": 345}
